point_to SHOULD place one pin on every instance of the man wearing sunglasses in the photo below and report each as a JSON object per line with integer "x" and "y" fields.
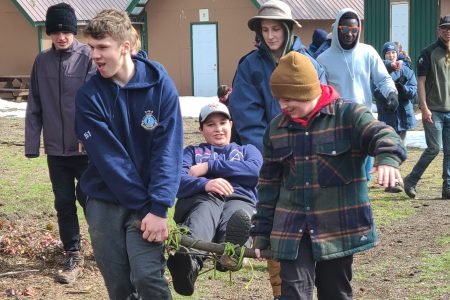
{"x": 352, "y": 67}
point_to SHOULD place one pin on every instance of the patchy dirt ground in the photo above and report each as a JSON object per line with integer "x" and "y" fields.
{"x": 393, "y": 270}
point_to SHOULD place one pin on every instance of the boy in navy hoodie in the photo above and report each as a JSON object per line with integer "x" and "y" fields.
{"x": 217, "y": 193}
{"x": 128, "y": 119}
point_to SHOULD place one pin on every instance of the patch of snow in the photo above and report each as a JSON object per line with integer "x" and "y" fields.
{"x": 190, "y": 107}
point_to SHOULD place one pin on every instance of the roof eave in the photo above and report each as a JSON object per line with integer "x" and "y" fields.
{"x": 24, "y": 13}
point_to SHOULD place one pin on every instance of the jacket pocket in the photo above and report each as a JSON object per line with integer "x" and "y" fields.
{"x": 334, "y": 163}
{"x": 286, "y": 158}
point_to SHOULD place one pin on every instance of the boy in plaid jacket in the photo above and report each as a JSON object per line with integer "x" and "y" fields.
{"x": 314, "y": 211}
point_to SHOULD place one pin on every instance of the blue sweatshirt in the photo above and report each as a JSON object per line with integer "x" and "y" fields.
{"x": 134, "y": 138}
{"x": 239, "y": 165}
{"x": 251, "y": 103}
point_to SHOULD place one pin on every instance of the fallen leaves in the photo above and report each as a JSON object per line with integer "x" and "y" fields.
{"x": 17, "y": 240}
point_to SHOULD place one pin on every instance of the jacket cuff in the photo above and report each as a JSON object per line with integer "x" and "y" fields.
{"x": 158, "y": 210}
{"x": 386, "y": 159}
{"x": 261, "y": 242}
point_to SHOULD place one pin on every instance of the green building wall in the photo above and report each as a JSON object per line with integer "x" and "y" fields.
{"x": 422, "y": 24}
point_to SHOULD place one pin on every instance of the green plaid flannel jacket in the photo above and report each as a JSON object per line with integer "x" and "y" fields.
{"x": 313, "y": 181}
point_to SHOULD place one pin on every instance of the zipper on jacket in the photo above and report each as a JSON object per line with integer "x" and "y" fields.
{"x": 60, "y": 103}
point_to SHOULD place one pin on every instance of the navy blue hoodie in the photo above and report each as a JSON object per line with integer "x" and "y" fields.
{"x": 134, "y": 138}
{"x": 239, "y": 165}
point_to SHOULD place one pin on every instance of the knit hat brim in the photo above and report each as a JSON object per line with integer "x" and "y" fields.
{"x": 305, "y": 92}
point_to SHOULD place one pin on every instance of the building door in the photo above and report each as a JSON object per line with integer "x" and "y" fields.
{"x": 400, "y": 24}
{"x": 204, "y": 59}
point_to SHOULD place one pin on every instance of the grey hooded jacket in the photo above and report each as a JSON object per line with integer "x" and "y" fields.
{"x": 55, "y": 79}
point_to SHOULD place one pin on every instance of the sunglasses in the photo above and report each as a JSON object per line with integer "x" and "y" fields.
{"x": 346, "y": 29}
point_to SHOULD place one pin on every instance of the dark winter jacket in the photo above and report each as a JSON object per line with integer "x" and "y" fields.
{"x": 313, "y": 180}
{"x": 134, "y": 138}
{"x": 251, "y": 103}
{"x": 55, "y": 79}
{"x": 403, "y": 118}
{"x": 319, "y": 36}
{"x": 239, "y": 165}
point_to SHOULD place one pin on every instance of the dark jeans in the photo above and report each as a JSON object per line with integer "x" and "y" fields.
{"x": 331, "y": 277}
{"x": 64, "y": 171}
{"x": 132, "y": 267}
{"x": 437, "y": 135}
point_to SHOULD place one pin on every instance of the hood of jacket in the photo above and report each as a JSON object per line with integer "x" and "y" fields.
{"x": 335, "y": 39}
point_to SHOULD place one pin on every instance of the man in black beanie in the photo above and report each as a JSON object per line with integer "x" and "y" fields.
{"x": 57, "y": 74}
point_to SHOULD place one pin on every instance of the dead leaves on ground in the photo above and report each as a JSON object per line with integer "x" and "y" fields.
{"x": 35, "y": 243}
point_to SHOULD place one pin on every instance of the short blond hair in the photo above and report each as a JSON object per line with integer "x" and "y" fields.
{"x": 110, "y": 22}
{"x": 135, "y": 41}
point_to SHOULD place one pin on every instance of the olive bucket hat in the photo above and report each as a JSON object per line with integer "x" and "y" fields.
{"x": 273, "y": 10}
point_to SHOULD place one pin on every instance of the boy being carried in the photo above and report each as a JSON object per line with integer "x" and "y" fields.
{"x": 217, "y": 193}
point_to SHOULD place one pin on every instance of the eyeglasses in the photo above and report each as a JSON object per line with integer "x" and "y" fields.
{"x": 346, "y": 29}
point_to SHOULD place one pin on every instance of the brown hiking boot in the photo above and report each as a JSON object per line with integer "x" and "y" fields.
{"x": 73, "y": 268}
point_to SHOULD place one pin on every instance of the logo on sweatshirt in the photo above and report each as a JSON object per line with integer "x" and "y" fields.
{"x": 149, "y": 121}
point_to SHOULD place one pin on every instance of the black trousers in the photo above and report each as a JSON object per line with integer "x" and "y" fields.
{"x": 331, "y": 277}
{"x": 65, "y": 173}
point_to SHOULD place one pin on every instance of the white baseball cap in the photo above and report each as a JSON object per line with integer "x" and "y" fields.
{"x": 213, "y": 108}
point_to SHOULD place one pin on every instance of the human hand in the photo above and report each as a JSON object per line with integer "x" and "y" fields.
{"x": 258, "y": 255}
{"x": 388, "y": 176}
{"x": 154, "y": 228}
{"x": 391, "y": 103}
{"x": 198, "y": 170}
{"x": 398, "y": 65}
{"x": 220, "y": 186}
{"x": 426, "y": 115}
{"x": 81, "y": 148}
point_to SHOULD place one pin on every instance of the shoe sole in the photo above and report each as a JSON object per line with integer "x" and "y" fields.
{"x": 182, "y": 284}
{"x": 238, "y": 228}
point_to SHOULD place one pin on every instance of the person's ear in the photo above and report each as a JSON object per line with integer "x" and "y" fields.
{"x": 231, "y": 124}
{"x": 126, "y": 47}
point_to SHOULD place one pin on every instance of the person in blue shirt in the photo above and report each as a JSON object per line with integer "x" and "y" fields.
{"x": 251, "y": 103}
{"x": 403, "y": 118}
{"x": 128, "y": 118}
{"x": 217, "y": 193}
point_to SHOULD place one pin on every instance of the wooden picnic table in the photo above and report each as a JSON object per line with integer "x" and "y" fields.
{"x": 14, "y": 87}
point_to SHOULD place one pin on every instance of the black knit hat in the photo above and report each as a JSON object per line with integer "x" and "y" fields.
{"x": 60, "y": 17}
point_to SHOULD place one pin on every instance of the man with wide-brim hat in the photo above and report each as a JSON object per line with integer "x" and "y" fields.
{"x": 251, "y": 104}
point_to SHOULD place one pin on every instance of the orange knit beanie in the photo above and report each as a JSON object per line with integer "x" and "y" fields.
{"x": 295, "y": 78}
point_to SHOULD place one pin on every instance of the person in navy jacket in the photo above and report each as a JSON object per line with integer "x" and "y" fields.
{"x": 128, "y": 118}
{"x": 403, "y": 118}
{"x": 217, "y": 193}
{"x": 251, "y": 104}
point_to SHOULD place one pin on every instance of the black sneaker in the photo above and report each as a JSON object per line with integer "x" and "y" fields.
{"x": 73, "y": 268}
{"x": 184, "y": 271}
{"x": 237, "y": 232}
{"x": 410, "y": 189}
{"x": 238, "y": 228}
